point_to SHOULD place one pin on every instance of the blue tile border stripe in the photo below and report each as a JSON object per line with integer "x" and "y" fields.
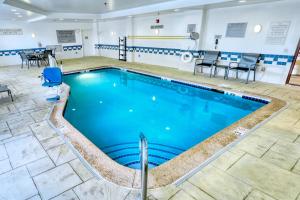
{"x": 72, "y": 48}
{"x": 255, "y": 99}
{"x": 268, "y": 59}
{"x": 107, "y": 46}
{"x": 14, "y": 52}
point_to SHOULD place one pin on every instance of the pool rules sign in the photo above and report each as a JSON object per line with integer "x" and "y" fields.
{"x": 278, "y": 32}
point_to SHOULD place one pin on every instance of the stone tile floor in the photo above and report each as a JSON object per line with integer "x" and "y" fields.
{"x": 35, "y": 162}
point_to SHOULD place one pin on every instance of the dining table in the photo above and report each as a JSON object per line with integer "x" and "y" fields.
{"x": 35, "y": 56}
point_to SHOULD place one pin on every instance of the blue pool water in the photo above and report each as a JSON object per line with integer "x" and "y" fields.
{"x": 111, "y": 107}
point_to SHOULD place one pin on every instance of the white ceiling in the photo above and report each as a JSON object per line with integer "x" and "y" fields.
{"x": 15, "y": 14}
{"x": 91, "y": 10}
{"x": 88, "y": 6}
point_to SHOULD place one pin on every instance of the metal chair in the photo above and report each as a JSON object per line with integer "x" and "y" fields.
{"x": 51, "y": 52}
{"x": 4, "y": 88}
{"x": 24, "y": 59}
{"x": 247, "y": 63}
{"x": 44, "y": 56}
{"x": 209, "y": 60}
{"x": 28, "y": 59}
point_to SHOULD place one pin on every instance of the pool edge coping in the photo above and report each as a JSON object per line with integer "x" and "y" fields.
{"x": 156, "y": 174}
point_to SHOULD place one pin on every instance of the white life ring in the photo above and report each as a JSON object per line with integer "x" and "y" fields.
{"x": 186, "y": 57}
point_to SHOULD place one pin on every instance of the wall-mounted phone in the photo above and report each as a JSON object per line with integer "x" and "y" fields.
{"x": 217, "y": 40}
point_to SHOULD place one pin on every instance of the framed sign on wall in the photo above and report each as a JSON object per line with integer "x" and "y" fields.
{"x": 236, "y": 30}
{"x": 66, "y": 36}
{"x": 11, "y": 31}
{"x": 157, "y": 26}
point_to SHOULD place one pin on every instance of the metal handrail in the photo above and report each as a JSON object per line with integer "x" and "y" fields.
{"x": 144, "y": 165}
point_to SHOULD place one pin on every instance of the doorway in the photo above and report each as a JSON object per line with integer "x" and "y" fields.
{"x": 294, "y": 74}
{"x": 87, "y": 42}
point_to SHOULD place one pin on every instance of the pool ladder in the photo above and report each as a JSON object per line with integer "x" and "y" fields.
{"x": 144, "y": 165}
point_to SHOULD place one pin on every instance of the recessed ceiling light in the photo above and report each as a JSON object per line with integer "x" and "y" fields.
{"x": 176, "y": 10}
{"x": 61, "y": 19}
{"x": 20, "y": 16}
{"x": 242, "y": 1}
{"x": 13, "y": 10}
{"x": 16, "y": 13}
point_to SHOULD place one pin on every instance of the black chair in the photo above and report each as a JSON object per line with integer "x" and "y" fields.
{"x": 24, "y": 59}
{"x": 29, "y": 57}
{"x": 51, "y": 52}
{"x": 45, "y": 56}
{"x": 33, "y": 58}
{"x": 247, "y": 63}
{"x": 4, "y": 88}
{"x": 209, "y": 60}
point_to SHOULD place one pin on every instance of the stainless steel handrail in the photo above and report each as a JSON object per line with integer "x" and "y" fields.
{"x": 144, "y": 165}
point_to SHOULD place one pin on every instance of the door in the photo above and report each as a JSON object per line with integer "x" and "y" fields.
{"x": 87, "y": 42}
{"x": 294, "y": 74}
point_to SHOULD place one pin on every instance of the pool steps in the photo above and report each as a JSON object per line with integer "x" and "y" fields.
{"x": 158, "y": 153}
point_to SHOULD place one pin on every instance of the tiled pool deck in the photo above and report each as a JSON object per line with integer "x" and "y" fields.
{"x": 36, "y": 163}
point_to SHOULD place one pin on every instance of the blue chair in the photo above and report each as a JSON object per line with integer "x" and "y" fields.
{"x": 52, "y": 77}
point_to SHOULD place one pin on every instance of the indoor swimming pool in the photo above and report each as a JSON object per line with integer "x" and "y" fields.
{"x": 111, "y": 107}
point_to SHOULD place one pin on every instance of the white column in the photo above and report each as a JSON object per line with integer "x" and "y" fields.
{"x": 130, "y": 42}
{"x": 203, "y": 30}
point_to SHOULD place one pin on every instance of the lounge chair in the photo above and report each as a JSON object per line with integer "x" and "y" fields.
{"x": 4, "y": 88}
{"x": 209, "y": 60}
{"x": 247, "y": 63}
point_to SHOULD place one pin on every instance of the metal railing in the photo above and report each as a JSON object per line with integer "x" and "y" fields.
{"x": 144, "y": 165}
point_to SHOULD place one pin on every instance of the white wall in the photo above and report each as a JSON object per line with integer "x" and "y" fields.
{"x": 175, "y": 24}
{"x": 261, "y": 14}
{"x": 45, "y": 33}
{"x": 109, "y": 33}
{"x": 214, "y": 22}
